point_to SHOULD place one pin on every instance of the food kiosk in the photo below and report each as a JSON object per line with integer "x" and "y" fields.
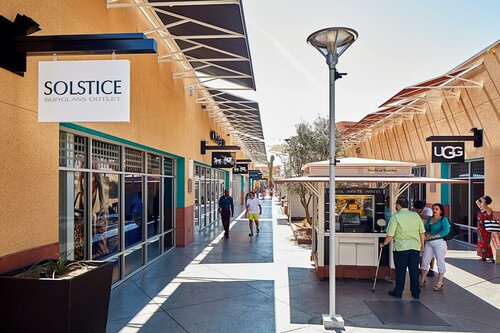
{"x": 361, "y": 187}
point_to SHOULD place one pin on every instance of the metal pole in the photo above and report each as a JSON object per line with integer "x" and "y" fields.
{"x": 332, "y": 61}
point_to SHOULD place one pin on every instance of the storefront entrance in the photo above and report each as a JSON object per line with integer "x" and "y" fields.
{"x": 208, "y": 188}
{"x": 463, "y": 210}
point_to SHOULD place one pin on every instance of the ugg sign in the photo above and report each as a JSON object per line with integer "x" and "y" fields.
{"x": 84, "y": 91}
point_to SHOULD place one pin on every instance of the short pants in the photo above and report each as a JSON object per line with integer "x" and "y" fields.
{"x": 253, "y": 216}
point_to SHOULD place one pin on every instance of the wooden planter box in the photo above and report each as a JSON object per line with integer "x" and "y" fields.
{"x": 79, "y": 304}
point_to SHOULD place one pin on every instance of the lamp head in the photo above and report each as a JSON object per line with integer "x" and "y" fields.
{"x": 332, "y": 42}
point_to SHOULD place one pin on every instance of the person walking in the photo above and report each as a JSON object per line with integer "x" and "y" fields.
{"x": 226, "y": 210}
{"x": 254, "y": 209}
{"x": 407, "y": 230}
{"x": 436, "y": 227}
{"x": 483, "y": 236}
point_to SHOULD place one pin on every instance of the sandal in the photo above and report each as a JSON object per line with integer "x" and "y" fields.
{"x": 438, "y": 287}
{"x": 422, "y": 283}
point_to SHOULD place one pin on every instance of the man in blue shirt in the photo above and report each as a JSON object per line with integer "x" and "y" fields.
{"x": 226, "y": 210}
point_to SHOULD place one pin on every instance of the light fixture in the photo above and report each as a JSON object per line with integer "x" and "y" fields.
{"x": 331, "y": 43}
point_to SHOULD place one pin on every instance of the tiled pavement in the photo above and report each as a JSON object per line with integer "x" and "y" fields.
{"x": 265, "y": 283}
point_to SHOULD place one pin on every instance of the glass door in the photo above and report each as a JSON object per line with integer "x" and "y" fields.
{"x": 203, "y": 204}
{"x": 197, "y": 206}
{"x": 477, "y": 191}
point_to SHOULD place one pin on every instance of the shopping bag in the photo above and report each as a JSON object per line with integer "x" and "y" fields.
{"x": 492, "y": 225}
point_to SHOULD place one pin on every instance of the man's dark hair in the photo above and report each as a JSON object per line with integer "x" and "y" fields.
{"x": 418, "y": 204}
{"x": 487, "y": 199}
{"x": 402, "y": 201}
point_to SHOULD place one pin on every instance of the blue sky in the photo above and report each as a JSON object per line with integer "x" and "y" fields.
{"x": 400, "y": 43}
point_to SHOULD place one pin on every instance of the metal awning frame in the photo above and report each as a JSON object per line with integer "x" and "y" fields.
{"x": 217, "y": 108}
{"x": 408, "y": 101}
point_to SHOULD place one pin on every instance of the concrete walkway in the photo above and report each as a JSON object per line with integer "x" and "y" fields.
{"x": 266, "y": 283}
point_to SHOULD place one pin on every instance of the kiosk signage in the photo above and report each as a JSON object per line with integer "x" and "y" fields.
{"x": 84, "y": 91}
{"x": 240, "y": 169}
{"x": 448, "y": 152}
{"x": 223, "y": 159}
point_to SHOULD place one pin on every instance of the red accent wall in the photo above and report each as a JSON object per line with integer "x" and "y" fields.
{"x": 24, "y": 258}
{"x": 446, "y": 210}
{"x": 184, "y": 226}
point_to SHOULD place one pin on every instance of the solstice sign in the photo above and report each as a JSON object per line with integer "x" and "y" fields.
{"x": 84, "y": 91}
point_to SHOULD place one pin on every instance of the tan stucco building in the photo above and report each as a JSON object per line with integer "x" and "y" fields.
{"x": 153, "y": 189}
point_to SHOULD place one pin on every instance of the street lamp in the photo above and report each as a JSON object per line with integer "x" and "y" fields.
{"x": 331, "y": 43}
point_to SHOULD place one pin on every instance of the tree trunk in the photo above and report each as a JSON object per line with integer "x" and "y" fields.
{"x": 305, "y": 204}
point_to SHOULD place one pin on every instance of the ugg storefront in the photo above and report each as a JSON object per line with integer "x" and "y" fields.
{"x": 451, "y": 104}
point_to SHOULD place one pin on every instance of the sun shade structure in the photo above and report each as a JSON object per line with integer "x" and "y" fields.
{"x": 365, "y": 170}
{"x": 244, "y": 117}
{"x": 211, "y": 35}
{"x": 208, "y": 40}
{"x": 411, "y": 101}
{"x": 441, "y": 82}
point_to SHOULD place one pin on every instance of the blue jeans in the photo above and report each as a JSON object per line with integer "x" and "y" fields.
{"x": 403, "y": 260}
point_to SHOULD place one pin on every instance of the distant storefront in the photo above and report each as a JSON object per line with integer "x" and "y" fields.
{"x": 209, "y": 186}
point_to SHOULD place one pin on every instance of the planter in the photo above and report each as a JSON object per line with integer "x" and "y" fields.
{"x": 78, "y": 304}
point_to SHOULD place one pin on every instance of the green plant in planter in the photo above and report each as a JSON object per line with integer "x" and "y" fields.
{"x": 75, "y": 295}
{"x": 53, "y": 268}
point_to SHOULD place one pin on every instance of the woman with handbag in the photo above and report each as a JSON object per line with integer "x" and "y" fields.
{"x": 436, "y": 227}
{"x": 484, "y": 236}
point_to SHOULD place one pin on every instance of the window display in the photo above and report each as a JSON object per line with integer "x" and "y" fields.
{"x": 119, "y": 209}
{"x": 355, "y": 213}
{"x": 356, "y": 209}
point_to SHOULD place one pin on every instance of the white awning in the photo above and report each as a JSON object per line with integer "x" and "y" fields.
{"x": 344, "y": 179}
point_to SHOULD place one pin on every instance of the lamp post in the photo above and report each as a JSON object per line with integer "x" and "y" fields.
{"x": 331, "y": 43}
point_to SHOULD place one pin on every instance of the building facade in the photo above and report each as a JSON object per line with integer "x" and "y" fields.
{"x": 126, "y": 192}
{"x": 466, "y": 97}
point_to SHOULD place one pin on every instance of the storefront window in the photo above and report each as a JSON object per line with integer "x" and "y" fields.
{"x": 133, "y": 259}
{"x": 153, "y": 249}
{"x": 417, "y": 191}
{"x": 153, "y": 212}
{"x": 105, "y": 214}
{"x": 459, "y": 202}
{"x": 168, "y": 203}
{"x": 463, "y": 208}
{"x": 72, "y": 214}
{"x": 90, "y": 202}
{"x": 206, "y": 192}
{"x": 133, "y": 210}
{"x": 72, "y": 150}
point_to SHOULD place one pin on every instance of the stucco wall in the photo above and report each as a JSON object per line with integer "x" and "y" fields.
{"x": 163, "y": 116}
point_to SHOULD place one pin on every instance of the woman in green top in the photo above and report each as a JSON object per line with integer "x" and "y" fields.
{"x": 436, "y": 227}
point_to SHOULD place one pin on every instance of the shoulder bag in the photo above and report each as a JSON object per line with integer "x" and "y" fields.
{"x": 491, "y": 225}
